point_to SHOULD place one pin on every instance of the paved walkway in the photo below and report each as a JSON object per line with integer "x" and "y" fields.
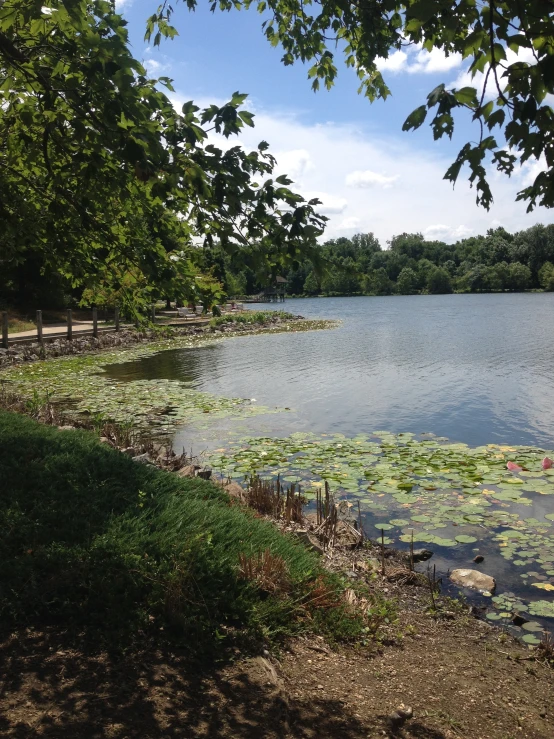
{"x": 55, "y": 328}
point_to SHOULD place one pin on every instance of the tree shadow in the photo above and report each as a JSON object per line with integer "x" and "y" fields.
{"x": 52, "y": 690}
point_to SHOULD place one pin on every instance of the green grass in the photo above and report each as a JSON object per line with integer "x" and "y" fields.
{"x": 94, "y": 542}
{"x": 252, "y": 317}
{"x": 16, "y": 325}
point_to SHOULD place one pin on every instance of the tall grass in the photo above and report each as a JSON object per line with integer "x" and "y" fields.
{"x": 94, "y": 541}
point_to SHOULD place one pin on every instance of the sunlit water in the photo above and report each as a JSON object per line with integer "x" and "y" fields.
{"x": 474, "y": 368}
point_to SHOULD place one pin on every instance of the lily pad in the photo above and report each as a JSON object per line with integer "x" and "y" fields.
{"x": 464, "y": 539}
{"x": 531, "y": 639}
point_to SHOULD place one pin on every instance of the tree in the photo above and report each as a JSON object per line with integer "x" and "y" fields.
{"x": 438, "y": 281}
{"x": 407, "y": 282}
{"x": 519, "y": 277}
{"x": 378, "y": 282}
{"x": 342, "y": 279}
{"x": 490, "y": 34}
{"x": 99, "y": 172}
{"x": 311, "y": 285}
{"x": 546, "y": 276}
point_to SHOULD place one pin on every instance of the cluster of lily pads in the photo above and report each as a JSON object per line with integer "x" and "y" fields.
{"x": 80, "y": 385}
{"x": 423, "y": 489}
{"x": 509, "y": 604}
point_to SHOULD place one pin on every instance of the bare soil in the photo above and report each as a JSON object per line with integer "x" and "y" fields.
{"x": 461, "y": 677}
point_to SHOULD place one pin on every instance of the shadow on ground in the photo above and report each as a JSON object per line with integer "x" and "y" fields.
{"x": 53, "y": 690}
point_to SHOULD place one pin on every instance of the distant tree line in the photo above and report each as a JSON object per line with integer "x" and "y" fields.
{"x": 411, "y": 265}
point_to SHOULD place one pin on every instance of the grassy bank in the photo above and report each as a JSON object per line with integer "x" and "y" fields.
{"x": 95, "y": 542}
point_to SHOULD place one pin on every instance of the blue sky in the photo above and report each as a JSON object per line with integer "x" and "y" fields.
{"x": 353, "y": 155}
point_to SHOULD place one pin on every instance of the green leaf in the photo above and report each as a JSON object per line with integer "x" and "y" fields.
{"x": 415, "y": 119}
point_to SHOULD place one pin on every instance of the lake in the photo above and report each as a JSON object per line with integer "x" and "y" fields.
{"x": 476, "y": 369}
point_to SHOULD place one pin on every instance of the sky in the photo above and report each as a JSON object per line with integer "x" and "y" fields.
{"x": 335, "y": 145}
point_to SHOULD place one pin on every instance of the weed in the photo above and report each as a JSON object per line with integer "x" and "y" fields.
{"x": 267, "y": 571}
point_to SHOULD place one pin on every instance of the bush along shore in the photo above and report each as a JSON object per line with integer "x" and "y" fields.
{"x": 247, "y": 322}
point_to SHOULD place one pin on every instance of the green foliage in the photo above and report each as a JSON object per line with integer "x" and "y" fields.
{"x": 438, "y": 281}
{"x": 411, "y": 265}
{"x": 97, "y": 167}
{"x": 92, "y": 540}
{"x": 311, "y": 284}
{"x": 546, "y": 276}
{"x": 253, "y": 317}
{"x": 407, "y": 282}
{"x": 487, "y": 34}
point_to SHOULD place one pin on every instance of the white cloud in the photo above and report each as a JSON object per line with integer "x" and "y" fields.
{"x": 465, "y": 78}
{"x": 440, "y": 232}
{"x": 156, "y": 68}
{"x": 295, "y": 163}
{"x": 350, "y": 224}
{"x": 416, "y": 60}
{"x": 324, "y": 155}
{"x": 395, "y": 62}
{"x": 122, "y": 4}
{"x": 367, "y": 178}
{"x": 330, "y": 204}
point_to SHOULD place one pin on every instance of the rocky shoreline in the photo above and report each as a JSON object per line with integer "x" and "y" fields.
{"x": 127, "y": 337}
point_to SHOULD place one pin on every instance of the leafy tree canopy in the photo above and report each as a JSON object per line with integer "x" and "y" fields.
{"x": 102, "y": 180}
{"x": 515, "y": 121}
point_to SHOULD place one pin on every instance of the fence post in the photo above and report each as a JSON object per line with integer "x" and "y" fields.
{"x": 5, "y": 329}
{"x": 116, "y": 317}
{"x": 69, "y": 324}
{"x": 95, "y": 322}
{"x": 39, "y": 326}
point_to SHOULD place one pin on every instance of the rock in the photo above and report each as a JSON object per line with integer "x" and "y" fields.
{"x": 400, "y": 716}
{"x": 67, "y": 428}
{"x": 478, "y": 558}
{"x": 188, "y": 471}
{"x": 235, "y": 490}
{"x": 142, "y": 459}
{"x": 309, "y": 540}
{"x": 518, "y": 619}
{"x": 473, "y": 579}
{"x": 422, "y": 555}
{"x": 131, "y": 451}
{"x": 204, "y": 474}
{"x": 104, "y": 440}
{"x": 345, "y": 512}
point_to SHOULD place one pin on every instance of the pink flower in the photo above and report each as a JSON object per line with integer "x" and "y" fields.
{"x": 513, "y": 467}
{"x": 547, "y": 463}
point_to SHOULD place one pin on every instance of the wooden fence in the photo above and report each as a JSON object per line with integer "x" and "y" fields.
{"x": 41, "y": 337}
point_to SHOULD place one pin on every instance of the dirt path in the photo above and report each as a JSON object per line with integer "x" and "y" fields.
{"x": 460, "y": 677}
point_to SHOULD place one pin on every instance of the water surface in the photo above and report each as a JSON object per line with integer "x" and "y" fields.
{"x": 474, "y": 368}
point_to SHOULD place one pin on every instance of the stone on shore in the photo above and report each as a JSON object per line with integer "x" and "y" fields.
{"x": 142, "y": 459}
{"x": 235, "y": 490}
{"x": 188, "y": 471}
{"x": 309, "y": 540}
{"x": 473, "y": 579}
{"x": 422, "y": 555}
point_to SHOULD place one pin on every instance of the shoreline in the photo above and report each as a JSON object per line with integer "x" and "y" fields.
{"x": 424, "y": 667}
{"x": 127, "y": 338}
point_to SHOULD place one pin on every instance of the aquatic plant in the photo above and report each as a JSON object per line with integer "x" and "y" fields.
{"x": 422, "y": 489}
